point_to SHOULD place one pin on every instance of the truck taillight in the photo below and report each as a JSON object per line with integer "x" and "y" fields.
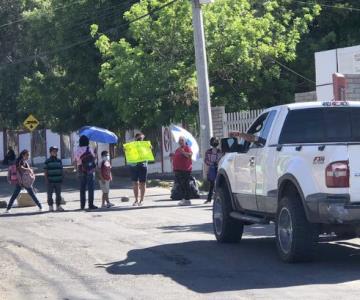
{"x": 337, "y": 174}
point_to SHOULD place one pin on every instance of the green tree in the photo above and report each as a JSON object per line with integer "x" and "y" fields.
{"x": 337, "y": 26}
{"x": 10, "y": 50}
{"x": 61, "y": 87}
{"x": 150, "y": 78}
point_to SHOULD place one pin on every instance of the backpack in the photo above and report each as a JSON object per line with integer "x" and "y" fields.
{"x": 12, "y": 175}
{"x": 26, "y": 179}
{"x": 88, "y": 164}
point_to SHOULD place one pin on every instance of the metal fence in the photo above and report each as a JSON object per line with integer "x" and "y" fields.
{"x": 241, "y": 121}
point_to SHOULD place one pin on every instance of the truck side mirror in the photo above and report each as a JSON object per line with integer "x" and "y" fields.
{"x": 260, "y": 143}
{"x": 229, "y": 145}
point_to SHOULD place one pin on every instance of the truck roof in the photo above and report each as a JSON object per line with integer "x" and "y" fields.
{"x": 303, "y": 105}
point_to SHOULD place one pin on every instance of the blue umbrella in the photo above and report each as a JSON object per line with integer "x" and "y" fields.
{"x": 99, "y": 135}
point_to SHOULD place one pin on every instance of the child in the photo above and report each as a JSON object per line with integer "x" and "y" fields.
{"x": 54, "y": 177}
{"x": 105, "y": 178}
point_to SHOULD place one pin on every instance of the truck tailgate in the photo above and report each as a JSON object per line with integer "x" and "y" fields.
{"x": 354, "y": 163}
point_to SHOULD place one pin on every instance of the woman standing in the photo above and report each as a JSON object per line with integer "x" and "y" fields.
{"x": 212, "y": 158}
{"x": 182, "y": 165}
{"x": 25, "y": 179}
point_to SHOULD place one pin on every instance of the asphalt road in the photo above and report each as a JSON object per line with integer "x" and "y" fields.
{"x": 158, "y": 251}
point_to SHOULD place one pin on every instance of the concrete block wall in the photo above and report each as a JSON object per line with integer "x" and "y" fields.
{"x": 306, "y": 97}
{"x": 352, "y": 91}
{"x": 219, "y": 121}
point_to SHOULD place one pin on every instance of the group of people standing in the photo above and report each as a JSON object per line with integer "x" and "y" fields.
{"x": 21, "y": 175}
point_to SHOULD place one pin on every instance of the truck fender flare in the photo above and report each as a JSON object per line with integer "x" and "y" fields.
{"x": 222, "y": 173}
{"x": 291, "y": 178}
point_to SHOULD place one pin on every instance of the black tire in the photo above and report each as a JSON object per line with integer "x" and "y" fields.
{"x": 226, "y": 228}
{"x": 298, "y": 243}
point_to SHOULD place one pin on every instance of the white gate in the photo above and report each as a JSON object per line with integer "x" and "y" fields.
{"x": 241, "y": 121}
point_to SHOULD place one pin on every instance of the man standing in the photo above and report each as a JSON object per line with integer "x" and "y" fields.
{"x": 139, "y": 176}
{"x": 85, "y": 160}
{"x": 54, "y": 177}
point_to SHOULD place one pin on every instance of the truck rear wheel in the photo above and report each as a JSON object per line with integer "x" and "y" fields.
{"x": 296, "y": 238}
{"x": 226, "y": 228}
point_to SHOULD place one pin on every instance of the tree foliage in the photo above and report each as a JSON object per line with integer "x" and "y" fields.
{"x": 144, "y": 74}
{"x": 336, "y": 27}
{"x": 151, "y": 78}
{"x": 59, "y": 80}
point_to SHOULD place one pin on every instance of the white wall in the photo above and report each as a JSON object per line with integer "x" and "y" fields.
{"x": 2, "y": 155}
{"x": 349, "y": 60}
{"x": 52, "y": 139}
{"x": 342, "y": 60}
{"x": 325, "y": 66}
{"x": 25, "y": 142}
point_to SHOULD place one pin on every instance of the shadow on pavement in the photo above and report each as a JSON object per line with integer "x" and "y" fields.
{"x": 206, "y": 227}
{"x": 253, "y": 230}
{"x": 20, "y": 214}
{"x": 208, "y": 267}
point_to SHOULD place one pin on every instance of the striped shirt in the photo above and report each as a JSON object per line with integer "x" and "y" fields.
{"x": 54, "y": 169}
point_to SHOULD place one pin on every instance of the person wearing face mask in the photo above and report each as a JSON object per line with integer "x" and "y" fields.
{"x": 212, "y": 158}
{"x": 25, "y": 179}
{"x": 182, "y": 166}
{"x": 105, "y": 178}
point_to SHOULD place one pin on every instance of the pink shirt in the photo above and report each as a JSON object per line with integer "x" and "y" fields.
{"x": 80, "y": 151}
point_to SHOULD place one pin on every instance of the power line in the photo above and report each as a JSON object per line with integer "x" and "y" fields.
{"x": 88, "y": 21}
{"x": 349, "y": 8}
{"x": 292, "y": 71}
{"x": 84, "y": 41}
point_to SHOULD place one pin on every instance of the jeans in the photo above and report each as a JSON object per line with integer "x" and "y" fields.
{"x": 51, "y": 187}
{"x": 183, "y": 179}
{"x": 211, "y": 190}
{"x": 87, "y": 181}
{"x": 17, "y": 192}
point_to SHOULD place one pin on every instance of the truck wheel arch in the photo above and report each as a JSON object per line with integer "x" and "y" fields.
{"x": 288, "y": 183}
{"x": 222, "y": 180}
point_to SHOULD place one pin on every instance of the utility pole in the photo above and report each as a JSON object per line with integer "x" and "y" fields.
{"x": 206, "y": 130}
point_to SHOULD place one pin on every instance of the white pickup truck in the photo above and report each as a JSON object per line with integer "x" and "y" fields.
{"x": 303, "y": 173}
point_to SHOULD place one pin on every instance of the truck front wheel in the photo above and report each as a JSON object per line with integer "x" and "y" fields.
{"x": 226, "y": 228}
{"x": 296, "y": 238}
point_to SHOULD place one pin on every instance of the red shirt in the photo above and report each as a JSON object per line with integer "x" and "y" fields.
{"x": 180, "y": 161}
{"x": 106, "y": 170}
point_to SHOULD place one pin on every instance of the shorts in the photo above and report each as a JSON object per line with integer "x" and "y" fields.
{"x": 138, "y": 173}
{"x": 105, "y": 186}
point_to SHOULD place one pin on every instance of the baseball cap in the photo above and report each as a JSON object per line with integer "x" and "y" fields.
{"x": 52, "y": 148}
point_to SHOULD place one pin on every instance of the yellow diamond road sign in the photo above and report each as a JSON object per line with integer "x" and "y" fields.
{"x": 31, "y": 123}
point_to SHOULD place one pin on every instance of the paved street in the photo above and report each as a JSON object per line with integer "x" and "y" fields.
{"x": 159, "y": 251}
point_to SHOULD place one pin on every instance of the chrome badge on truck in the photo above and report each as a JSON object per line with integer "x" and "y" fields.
{"x": 319, "y": 160}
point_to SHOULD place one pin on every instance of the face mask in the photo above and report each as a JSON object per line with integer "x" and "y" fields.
{"x": 215, "y": 144}
{"x": 107, "y": 157}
